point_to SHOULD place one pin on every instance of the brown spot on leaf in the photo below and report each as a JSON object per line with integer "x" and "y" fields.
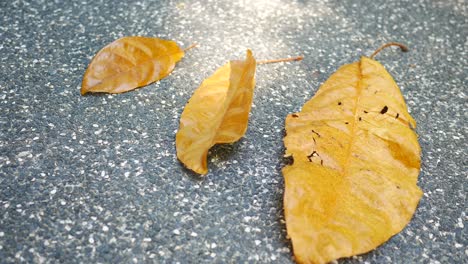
{"x": 384, "y": 110}
{"x": 313, "y": 131}
{"x": 397, "y": 115}
{"x": 339, "y": 103}
{"x": 294, "y": 115}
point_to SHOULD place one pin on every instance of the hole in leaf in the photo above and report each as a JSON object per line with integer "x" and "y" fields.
{"x": 289, "y": 160}
{"x": 313, "y": 154}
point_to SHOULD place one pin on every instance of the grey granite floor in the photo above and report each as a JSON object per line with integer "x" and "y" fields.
{"x": 95, "y": 178}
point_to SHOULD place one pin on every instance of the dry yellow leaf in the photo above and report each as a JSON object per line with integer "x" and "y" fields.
{"x": 129, "y": 63}
{"x": 218, "y": 112}
{"x": 352, "y": 185}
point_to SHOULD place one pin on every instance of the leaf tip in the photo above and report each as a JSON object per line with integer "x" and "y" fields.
{"x": 200, "y": 170}
{"x": 83, "y": 90}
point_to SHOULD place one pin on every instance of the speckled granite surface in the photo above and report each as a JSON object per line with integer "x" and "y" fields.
{"x": 95, "y": 178}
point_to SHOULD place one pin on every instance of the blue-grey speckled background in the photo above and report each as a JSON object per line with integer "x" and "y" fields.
{"x": 95, "y": 178}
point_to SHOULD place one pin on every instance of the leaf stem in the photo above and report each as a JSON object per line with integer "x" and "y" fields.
{"x": 402, "y": 47}
{"x": 298, "y": 58}
{"x": 191, "y": 46}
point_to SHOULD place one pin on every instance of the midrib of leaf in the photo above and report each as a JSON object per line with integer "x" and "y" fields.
{"x": 144, "y": 62}
{"x": 344, "y": 172}
{"x": 225, "y": 110}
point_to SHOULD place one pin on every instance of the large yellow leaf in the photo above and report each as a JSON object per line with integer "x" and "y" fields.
{"x": 352, "y": 185}
{"x": 129, "y": 63}
{"x": 218, "y": 112}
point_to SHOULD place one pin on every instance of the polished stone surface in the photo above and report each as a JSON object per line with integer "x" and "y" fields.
{"x": 96, "y": 179}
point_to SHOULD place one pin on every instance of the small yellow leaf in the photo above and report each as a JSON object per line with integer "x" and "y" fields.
{"x": 129, "y": 63}
{"x": 218, "y": 112}
{"x": 352, "y": 185}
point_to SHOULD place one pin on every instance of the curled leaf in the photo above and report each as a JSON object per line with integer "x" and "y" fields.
{"x": 218, "y": 112}
{"x": 129, "y": 63}
{"x": 352, "y": 185}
